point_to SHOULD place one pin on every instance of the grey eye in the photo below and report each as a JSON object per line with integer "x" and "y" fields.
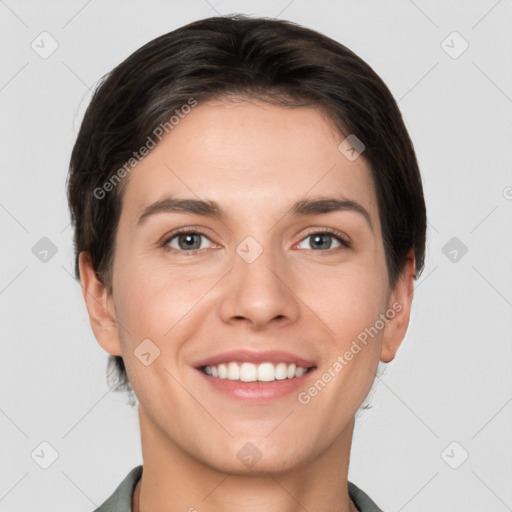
{"x": 187, "y": 241}
{"x": 321, "y": 241}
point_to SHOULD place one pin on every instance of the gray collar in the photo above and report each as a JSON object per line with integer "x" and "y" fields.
{"x": 121, "y": 499}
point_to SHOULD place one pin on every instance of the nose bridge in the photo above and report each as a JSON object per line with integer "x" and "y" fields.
{"x": 256, "y": 289}
{"x": 256, "y": 264}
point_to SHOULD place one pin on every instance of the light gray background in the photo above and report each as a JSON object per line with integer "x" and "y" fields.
{"x": 452, "y": 378}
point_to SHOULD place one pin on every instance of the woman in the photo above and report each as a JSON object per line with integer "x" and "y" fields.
{"x": 249, "y": 220}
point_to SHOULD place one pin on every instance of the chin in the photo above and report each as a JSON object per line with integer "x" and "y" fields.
{"x": 258, "y": 457}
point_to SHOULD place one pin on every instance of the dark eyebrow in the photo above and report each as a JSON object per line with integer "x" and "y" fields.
{"x": 174, "y": 204}
{"x": 304, "y": 207}
{"x": 327, "y": 205}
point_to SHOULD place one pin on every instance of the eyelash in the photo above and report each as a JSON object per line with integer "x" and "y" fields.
{"x": 346, "y": 244}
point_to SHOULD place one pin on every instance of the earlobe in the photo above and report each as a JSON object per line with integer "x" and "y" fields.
{"x": 100, "y": 307}
{"x": 400, "y": 304}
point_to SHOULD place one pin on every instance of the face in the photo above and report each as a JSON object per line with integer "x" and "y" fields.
{"x": 249, "y": 247}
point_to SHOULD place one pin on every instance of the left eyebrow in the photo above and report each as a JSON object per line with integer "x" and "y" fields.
{"x": 207, "y": 208}
{"x": 329, "y": 204}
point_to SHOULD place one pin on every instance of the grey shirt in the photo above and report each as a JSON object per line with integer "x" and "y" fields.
{"x": 121, "y": 499}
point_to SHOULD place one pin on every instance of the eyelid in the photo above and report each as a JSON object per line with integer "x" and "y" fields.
{"x": 344, "y": 239}
{"x": 164, "y": 241}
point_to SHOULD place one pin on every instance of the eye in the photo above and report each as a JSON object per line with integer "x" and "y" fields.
{"x": 188, "y": 241}
{"x": 323, "y": 240}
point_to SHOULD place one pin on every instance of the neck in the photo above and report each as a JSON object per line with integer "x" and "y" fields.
{"x": 173, "y": 480}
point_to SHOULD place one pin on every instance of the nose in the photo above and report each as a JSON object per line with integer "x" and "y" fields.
{"x": 260, "y": 292}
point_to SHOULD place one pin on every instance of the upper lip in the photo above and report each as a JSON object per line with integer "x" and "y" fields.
{"x": 256, "y": 357}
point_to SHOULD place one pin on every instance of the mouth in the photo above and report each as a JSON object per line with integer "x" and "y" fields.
{"x": 251, "y": 372}
{"x": 256, "y": 377}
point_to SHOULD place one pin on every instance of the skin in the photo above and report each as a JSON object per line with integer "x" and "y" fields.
{"x": 255, "y": 160}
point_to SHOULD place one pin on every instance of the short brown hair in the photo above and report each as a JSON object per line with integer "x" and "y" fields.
{"x": 214, "y": 58}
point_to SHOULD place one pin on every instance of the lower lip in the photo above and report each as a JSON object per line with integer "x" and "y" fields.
{"x": 257, "y": 391}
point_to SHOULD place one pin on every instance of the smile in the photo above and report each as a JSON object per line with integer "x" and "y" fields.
{"x": 250, "y": 372}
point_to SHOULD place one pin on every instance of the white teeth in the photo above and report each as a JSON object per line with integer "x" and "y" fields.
{"x": 281, "y": 371}
{"x": 223, "y": 371}
{"x": 233, "y": 371}
{"x": 249, "y": 372}
{"x": 266, "y": 372}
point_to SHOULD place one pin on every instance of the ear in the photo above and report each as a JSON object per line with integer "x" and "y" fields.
{"x": 100, "y": 306}
{"x": 400, "y": 303}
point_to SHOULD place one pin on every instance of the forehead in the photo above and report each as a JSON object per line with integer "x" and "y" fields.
{"x": 249, "y": 153}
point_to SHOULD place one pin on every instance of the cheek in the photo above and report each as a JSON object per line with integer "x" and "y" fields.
{"x": 153, "y": 305}
{"x": 347, "y": 299}
{"x": 350, "y": 304}
{"x": 154, "y": 301}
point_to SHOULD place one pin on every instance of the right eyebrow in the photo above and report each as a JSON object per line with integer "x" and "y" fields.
{"x": 173, "y": 204}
